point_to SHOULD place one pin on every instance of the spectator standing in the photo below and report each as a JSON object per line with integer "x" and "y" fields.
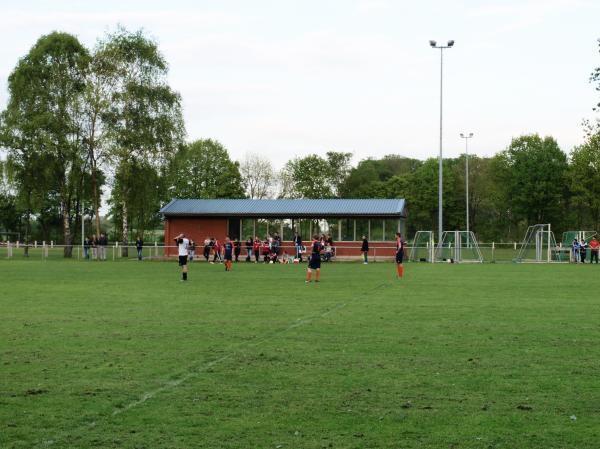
{"x": 594, "y": 245}
{"x": 102, "y": 242}
{"x": 94, "y": 244}
{"x": 237, "y": 248}
{"x": 266, "y": 249}
{"x": 582, "y": 250}
{"x": 575, "y": 250}
{"x": 249, "y": 244}
{"x": 365, "y": 249}
{"x": 86, "y": 248}
{"x": 256, "y": 248}
{"x": 139, "y": 245}
{"x": 298, "y": 246}
{"x": 276, "y": 243}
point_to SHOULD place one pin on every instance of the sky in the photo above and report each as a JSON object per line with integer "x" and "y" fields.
{"x": 290, "y": 78}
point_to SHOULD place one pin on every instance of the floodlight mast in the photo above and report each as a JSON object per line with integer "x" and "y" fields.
{"x": 467, "y": 137}
{"x": 434, "y": 45}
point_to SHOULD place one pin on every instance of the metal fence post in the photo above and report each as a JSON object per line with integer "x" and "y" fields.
{"x": 493, "y": 252}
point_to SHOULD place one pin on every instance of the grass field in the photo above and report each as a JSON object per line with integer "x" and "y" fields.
{"x": 103, "y": 355}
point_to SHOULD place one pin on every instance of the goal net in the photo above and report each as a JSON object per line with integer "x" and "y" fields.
{"x": 458, "y": 247}
{"x": 422, "y": 249}
{"x": 539, "y": 245}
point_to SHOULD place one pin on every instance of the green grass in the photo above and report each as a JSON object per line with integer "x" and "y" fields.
{"x": 102, "y": 355}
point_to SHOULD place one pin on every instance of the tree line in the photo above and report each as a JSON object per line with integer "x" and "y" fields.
{"x": 86, "y": 125}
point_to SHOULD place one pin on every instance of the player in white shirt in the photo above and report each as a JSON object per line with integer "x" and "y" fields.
{"x": 183, "y": 243}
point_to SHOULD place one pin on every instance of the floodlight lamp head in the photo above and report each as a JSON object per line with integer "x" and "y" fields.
{"x": 433, "y": 43}
{"x": 462, "y": 135}
{"x": 450, "y": 43}
{"x": 470, "y": 134}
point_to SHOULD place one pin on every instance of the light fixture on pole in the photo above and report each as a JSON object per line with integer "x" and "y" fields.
{"x": 467, "y": 137}
{"x": 433, "y": 44}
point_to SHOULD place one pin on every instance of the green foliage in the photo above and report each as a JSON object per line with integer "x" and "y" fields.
{"x": 532, "y": 171}
{"x": 315, "y": 177}
{"x": 42, "y": 124}
{"x": 584, "y": 177}
{"x": 142, "y": 122}
{"x": 372, "y": 178}
{"x": 203, "y": 169}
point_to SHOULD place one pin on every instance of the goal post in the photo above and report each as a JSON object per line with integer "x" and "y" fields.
{"x": 422, "y": 249}
{"x": 539, "y": 246}
{"x": 458, "y": 247}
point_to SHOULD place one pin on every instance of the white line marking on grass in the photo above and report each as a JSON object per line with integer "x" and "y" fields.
{"x": 175, "y": 383}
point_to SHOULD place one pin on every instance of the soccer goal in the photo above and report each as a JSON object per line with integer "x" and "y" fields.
{"x": 539, "y": 246}
{"x": 422, "y": 249}
{"x": 458, "y": 247}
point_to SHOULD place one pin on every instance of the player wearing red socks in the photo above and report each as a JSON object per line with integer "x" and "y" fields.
{"x": 400, "y": 255}
{"x": 314, "y": 263}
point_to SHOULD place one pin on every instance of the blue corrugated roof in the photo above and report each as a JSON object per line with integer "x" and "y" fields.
{"x": 284, "y": 208}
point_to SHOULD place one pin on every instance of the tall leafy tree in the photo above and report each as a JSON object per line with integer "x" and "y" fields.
{"x": 372, "y": 178}
{"x": 258, "y": 176}
{"x": 101, "y": 82}
{"x": 315, "y": 177}
{"x": 533, "y": 170}
{"x": 203, "y": 169}
{"x": 43, "y": 121}
{"x": 143, "y": 121}
{"x": 584, "y": 177}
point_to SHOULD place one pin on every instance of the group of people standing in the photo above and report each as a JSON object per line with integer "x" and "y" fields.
{"x": 579, "y": 250}
{"x": 265, "y": 250}
{"x": 95, "y": 248}
{"x": 270, "y": 246}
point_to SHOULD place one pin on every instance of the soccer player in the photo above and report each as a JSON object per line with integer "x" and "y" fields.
{"x": 228, "y": 250}
{"x": 314, "y": 262}
{"x": 400, "y": 254}
{"x": 182, "y": 244}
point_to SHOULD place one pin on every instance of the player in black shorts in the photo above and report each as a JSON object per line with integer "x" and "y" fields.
{"x": 228, "y": 249}
{"x": 314, "y": 262}
{"x": 400, "y": 255}
{"x": 182, "y": 249}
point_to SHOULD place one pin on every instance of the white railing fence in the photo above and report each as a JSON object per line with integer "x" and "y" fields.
{"x": 492, "y": 252}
